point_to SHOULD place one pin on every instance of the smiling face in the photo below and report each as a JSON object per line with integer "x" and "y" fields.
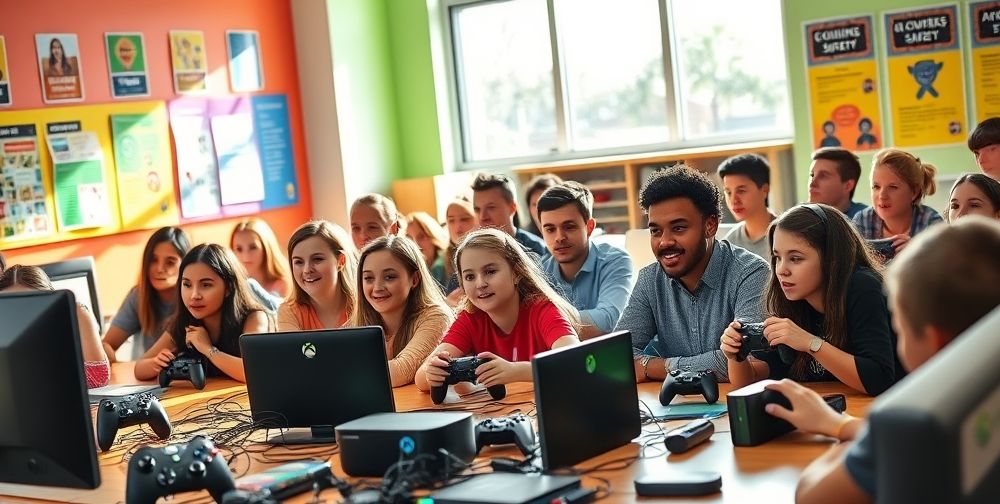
{"x": 250, "y": 251}
{"x": 315, "y": 267}
{"x": 566, "y": 234}
{"x": 487, "y": 279}
{"x": 366, "y": 225}
{"x": 743, "y": 197}
{"x": 202, "y": 291}
{"x": 678, "y": 235}
{"x": 460, "y": 222}
{"x": 798, "y": 267}
{"x": 969, "y": 199}
{"x": 162, "y": 269}
{"x": 493, "y": 210}
{"x": 56, "y": 49}
{"x": 424, "y": 241}
{"x": 386, "y": 282}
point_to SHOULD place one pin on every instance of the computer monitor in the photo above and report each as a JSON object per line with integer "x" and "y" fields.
{"x": 77, "y": 275}
{"x": 586, "y": 399}
{"x": 46, "y": 435}
{"x": 315, "y": 380}
{"x": 936, "y": 434}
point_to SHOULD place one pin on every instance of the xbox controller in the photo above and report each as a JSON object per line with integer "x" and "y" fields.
{"x": 882, "y": 248}
{"x": 754, "y": 340}
{"x": 190, "y": 367}
{"x": 159, "y": 472}
{"x": 463, "y": 369}
{"x": 688, "y": 383}
{"x": 113, "y": 414}
{"x": 505, "y": 430}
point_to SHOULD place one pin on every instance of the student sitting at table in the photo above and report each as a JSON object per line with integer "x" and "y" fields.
{"x": 974, "y": 194}
{"x": 374, "y": 215}
{"x": 324, "y": 267}
{"x": 510, "y": 313}
{"x": 746, "y": 180}
{"x": 984, "y": 142}
{"x": 96, "y": 368}
{"x": 255, "y": 245}
{"x": 932, "y": 302}
{"x": 398, "y": 297}
{"x": 144, "y": 313}
{"x": 826, "y": 302}
{"x": 216, "y": 308}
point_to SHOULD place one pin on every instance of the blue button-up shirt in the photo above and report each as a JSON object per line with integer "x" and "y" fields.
{"x": 601, "y": 287}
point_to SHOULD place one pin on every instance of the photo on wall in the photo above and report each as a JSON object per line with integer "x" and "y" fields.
{"x": 246, "y": 73}
{"x": 59, "y": 66}
{"x": 5, "y": 98}
{"x": 190, "y": 64}
{"x": 127, "y": 64}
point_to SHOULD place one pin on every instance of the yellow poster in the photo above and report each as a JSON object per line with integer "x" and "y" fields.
{"x": 187, "y": 56}
{"x": 144, "y": 167}
{"x": 985, "y": 23}
{"x": 926, "y": 77}
{"x": 845, "y": 107}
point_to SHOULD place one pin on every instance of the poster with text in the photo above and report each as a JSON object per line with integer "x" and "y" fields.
{"x": 985, "y": 22}
{"x": 926, "y": 76}
{"x": 245, "y": 70}
{"x": 59, "y": 65}
{"x": 5, "y": 98}
{"x": 24, "y": 211}
{"x": 842, "y": 73}
{"x": 274, "y": 142}
{"x": 127, "y": 64}
{"x": 81, "y": 193}
{"x": 144, "y": 170}
{"x": 241, "y": 179}
{"x": 197, "y": 172}
{"x": 190, "y": 66}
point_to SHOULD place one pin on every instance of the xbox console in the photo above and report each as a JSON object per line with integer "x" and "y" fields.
{"x": 373, "y": 443}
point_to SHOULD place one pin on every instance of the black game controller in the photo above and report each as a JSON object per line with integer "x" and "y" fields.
{"x": 127, "y": 411}
{"x": 158, "y": 472}
{"x": 463, "y": 369}
{"x": 189, "y": 367}
{"x": 688, "y": 383}
{"x": 505, "y": 430}
{"x": 754, "y": 340}
{"x": 882, "y": 248}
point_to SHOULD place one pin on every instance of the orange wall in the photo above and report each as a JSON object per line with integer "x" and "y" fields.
{"x": 118, "y": 256}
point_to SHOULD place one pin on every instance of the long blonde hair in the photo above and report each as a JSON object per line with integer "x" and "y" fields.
{"x": 423, "y": 297}
{"x": 462, "y": 203}
{"x": 340, "y": 244}
{"x": 275, "y": 263}
{"x": 917, "y": 174}
{"x": 531, "y": 285}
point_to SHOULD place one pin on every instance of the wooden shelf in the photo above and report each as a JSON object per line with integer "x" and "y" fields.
{"x": 606, "y": 186}
{"x": 611, "y": 204}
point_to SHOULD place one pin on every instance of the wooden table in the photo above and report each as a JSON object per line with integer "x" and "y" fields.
{"x": 766, "y": 473}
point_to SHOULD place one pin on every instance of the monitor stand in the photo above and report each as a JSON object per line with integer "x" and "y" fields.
{"x": 317, "y": 434}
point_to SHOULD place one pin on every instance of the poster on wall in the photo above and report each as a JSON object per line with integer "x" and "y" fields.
{"x": 187, "y": 56}
{"x": 58, "y": 56}
{"x": 197, "y": 172}
{"x": 274, "y": 142}
{"x": 5, "y": 98}
{"x": 246, "y": 73}
{"x": 81, "y": 193}
{"x": 24, "y": 212}
{"x": 844, "y": 98}
{"x": 144, "y": 169}
{"x": 985, "y": 22}
{"x": 127, "y": 64}
{"x": 241, "y": 179}
{"x": 927, "y": 103}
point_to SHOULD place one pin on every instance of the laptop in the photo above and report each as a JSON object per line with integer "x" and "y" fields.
{"x": 312, "y": 381}
{"x": 586, "y": 399}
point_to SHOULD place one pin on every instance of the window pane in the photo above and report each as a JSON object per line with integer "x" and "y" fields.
{"x": 504, "y": 69}
{"x": 613, "y": 55}
{"x": 731, "y": 68}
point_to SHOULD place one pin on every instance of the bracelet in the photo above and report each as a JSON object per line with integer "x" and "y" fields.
{"x": 645, "y": 361}
{"x": 214, "y": 350}
{"x": 840, "y": 427}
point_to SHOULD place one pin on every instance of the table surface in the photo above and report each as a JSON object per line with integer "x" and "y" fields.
{"x": 768, "y": 472}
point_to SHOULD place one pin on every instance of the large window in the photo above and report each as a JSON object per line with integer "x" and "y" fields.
{"x": 547, "y": 79}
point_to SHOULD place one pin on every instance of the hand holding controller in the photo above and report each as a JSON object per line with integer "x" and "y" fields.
{"x": 688, "y": 383}
{"x": 754, "y": 340}
{"x": 189, "y": 366}
{"x": 504, "y": 430}
{"x": 158, "y": 472}
{"x": 463, "y": 369}
{"x": 113, "y": 414}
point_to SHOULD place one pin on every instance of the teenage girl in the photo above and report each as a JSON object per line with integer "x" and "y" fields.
{"x": 398, "y": 297}
{"x": 510, "y": 313}
{"x": 257, "y": 248}
{"x": 324, "y": 266}
{"x": 148, "y": 305}
{"x": 461, "y": 218}
{"x": 374, "y": 215}
{"x": 974, "y": 194}
{"x": 431, "y": 239}
{"x": 826, "y": 302}
{"x": 216, "y": 308}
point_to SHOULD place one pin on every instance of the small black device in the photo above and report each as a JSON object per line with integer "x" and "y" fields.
{"x": 505, "y": 430}
{"x": 285, "y": 480}
{"x": 371, "y": 444}
{"x": 688, "y": 383}
{"x": 690, "y": 435}
{"x": 836, "y": 401}
{"x": 750, "y": 425}
{"x": 882, "y": 248}
{"x": 754, "y": 341}
{"x": 507, "y": 488}
{"x": 674, "y": 483}
{"x": 463, "y": 369}
{"x": 130, "y": 410}
{"x": 189, "y": 366}
{"x": 176, "y": 468}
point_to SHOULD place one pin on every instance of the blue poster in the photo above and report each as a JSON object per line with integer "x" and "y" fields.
{"x": 274, "y": 141}
{"x": 245, "y": 72}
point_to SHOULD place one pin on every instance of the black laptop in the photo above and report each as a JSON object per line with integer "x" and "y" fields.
{"x": 586, "y": 399}
{"x": 312, "y": 381}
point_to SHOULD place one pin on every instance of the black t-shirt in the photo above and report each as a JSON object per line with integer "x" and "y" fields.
{"x": 869, "y": 337}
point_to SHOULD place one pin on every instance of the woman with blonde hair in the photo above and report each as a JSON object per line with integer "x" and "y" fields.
{"x": 431, "y": 239}
{"x": 374, "y": 215}
{"x": 257, "y": 248}
{"x": 324, "y": 266}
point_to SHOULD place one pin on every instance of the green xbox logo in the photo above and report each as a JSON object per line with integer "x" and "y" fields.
{"x": 983, "y": 429}
{"x": 591, "y": 363}
{"x": 309, "y": 350}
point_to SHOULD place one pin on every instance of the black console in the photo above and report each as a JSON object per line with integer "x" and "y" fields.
{"x": 190, "y": 367}
{"x": 373, "y": 443}
{"x": 754, "y": 340}
{"x": 505, "y": 430}
{"x": 689, "y": 383}
{"x": 113, "y": 414}
{"x": 463, "y": 369}
{"x": 158, "y": 472}
{"x": 750, "y": 425}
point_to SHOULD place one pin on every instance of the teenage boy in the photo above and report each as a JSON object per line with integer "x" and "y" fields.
{"x": 833, "y": 176}
{"x": 595, "y": 278}
{"x": 683, "y": 302}
{"x": 495, "y": 206}
{"x": 746, "y": 179}
{"x": 984, "y": 142}
{"x": 934, "y": 298}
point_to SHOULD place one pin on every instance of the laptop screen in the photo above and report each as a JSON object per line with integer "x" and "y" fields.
{"x": 586, "y": 399}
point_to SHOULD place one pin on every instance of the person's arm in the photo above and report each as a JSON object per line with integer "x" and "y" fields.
{"x": 156, "y": 358}
{"x": 614, "y": 287}
{"x": 434, "y": 370}
{"x": 257, "y": 322}
{"x": 870, "y": 334}
{"x": 428, "y": 332}
{"x": 90, "y": 335}
{"x": 827, "y": 481}
{"x": 637, "y": 318}
{"x": 112, "y": 340}
{"x": 781, "y": 331}
{"x": 287, "y": 321}
{"x": 750, "y": 369}
{"x": 124, "y": 325}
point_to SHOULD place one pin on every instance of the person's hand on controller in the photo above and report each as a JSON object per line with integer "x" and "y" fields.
{"x": 163, "y": 359}
{"x": 810, "y": 412}
{"x": 782, "y": 331}
{"x": 899, "y": 242}
{"x": 731, "y": 340}
{"x": 197, "y": 337}
{"x": 497, "y": 371}
{"x": 437, "y": 368}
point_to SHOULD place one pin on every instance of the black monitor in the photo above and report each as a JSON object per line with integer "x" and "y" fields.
{"x": 46, "y": 435}
{"x": 78, "y": 276}
{"x": 936, "y": 434}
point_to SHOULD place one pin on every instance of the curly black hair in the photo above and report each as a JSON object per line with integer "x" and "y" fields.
{"x": 681, "y": 181}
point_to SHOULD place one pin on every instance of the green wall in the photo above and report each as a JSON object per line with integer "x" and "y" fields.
{"x": 951, "y": 159}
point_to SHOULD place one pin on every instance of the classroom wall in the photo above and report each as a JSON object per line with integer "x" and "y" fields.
{"x": 118, "y": 256}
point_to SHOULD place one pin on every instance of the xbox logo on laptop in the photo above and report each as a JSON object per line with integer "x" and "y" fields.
{"x": 309, "y": 350}
{"x": 591, "y": 363}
